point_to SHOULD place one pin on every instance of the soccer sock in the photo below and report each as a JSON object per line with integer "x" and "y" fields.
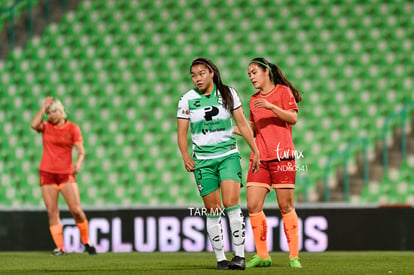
{"x": 215, "y": 233}
{"x": 84, "y": 231}
{"x": 238, "y": 228}
{"x": 290, "y": 224}
{"x": 57, "y": 235}
{"x": 259, "y": 227}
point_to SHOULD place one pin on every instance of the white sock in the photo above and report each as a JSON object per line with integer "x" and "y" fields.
{"x": 238, "y": 229}
{"x": 215, "y": 233}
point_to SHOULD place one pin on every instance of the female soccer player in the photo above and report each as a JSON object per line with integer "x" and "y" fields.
{"x": 57, "y": 171}
{"x": 215, "y": 162}
{"x": 273, "y": 111}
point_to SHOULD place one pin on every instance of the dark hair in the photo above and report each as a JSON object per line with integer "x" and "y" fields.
{"x": 224, "y": 89}
{"x": 276, "y": 76}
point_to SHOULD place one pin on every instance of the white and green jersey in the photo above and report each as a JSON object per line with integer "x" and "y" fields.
{"x": 210, "y": 123}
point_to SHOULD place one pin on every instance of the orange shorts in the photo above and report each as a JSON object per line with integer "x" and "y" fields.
{"x": 55, "y": 179}
{"x": 274, "y": 173}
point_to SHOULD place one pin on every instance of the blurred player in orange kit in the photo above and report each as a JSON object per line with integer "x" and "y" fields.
{"x": 57, "y": 170}
{"x": 273, "y": 111}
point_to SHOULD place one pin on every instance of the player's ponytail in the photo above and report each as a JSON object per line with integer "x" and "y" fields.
{"x": 276, "y": 76}
{"x": 225, "y": 92}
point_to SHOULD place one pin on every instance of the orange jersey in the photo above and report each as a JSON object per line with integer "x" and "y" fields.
{"x": 58, "y": 142}
{"x": 273, "y": 135}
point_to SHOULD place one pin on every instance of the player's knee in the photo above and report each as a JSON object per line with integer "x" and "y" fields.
{"x": 286, "y": 208}
{"x": 228, "y": 202}
{"x": 77, "y": 214}
{"x": 254, "y": 206}
{"x": 253, "y": 209}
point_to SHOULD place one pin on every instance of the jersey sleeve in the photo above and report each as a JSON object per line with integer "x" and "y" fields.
{"x": 288, "y": 100}
{"x": 44, "y": 125}
{"x": 77, "y": 134}
{"x": 236, "y": 99}
{"x": 183, "y": 109}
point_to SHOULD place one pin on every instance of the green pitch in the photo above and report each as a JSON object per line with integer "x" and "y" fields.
{"x": 202, "y": 263}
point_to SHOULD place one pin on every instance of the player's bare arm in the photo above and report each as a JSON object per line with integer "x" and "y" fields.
{"x": 182, "y": 130}
{"x": 290, "y": 116}
{"x": 81, "y": 155}
{"x": 236, "y": 129}
{"x": 247, "y": 133}
{"x": 37, "y": 120}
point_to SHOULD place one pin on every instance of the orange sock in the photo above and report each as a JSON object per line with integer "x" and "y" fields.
{"x": 259, "y": 227}
{"x": 84, "y": 231}
{"x": 290, "y": 222}
{"x": 57, "y": 235}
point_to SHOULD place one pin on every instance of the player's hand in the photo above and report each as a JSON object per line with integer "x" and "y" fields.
{"x": 255, "y": 162}
{"x": 76, "y": 168}
{"x": 48, "y": 102}
{"x": 189, "y": 164}
{"x": 262, "y": 103}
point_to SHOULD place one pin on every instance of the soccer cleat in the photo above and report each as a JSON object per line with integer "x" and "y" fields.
{"x": 223, "y": 265}
{"x": 237, "y": 263}
{"x": 294, "y": 263}
{"x": 58, "y": 252}
{"x": 257, "y": 261}
{"x": 90, "y": 248}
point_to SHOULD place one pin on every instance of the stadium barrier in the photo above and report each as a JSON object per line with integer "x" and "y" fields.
{"x": 360, "y": 144}
{"x": 402, "y": 117}
{"x": 8, "y": 15}
{"x": 183, "y": 229}
{"x": 26, "y": 18}
{"x": 341, "y": 158}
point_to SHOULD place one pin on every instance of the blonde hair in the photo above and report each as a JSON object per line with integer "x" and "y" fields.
{"x": 57, "y": 105}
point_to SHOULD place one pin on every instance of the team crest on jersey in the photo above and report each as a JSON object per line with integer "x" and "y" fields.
{"x": 220, "y": 99}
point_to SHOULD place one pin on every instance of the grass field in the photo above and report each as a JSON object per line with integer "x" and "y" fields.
{"x": 372, "y": 262}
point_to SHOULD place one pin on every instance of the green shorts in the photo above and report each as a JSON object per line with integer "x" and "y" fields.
{"x": 209, "y": 173}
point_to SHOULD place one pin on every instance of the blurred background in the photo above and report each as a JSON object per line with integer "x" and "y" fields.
{"x": 121, "y": 66}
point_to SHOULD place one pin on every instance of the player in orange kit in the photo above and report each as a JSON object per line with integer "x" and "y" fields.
{"x": 57, "y": 171}
{"x": 273, "y": 111}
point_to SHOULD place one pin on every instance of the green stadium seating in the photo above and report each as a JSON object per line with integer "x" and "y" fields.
{"x": 16, "y": 7}
{"x": 121, "y": 66}
{"x": 395, "y": 188}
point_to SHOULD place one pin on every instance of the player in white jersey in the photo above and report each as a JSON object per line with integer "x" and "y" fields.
{"x": 207, "y": 110}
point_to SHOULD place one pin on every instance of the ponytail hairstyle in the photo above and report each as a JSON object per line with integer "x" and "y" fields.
{"x": 225, "y": 92}
{"x": 276, "y": 76}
